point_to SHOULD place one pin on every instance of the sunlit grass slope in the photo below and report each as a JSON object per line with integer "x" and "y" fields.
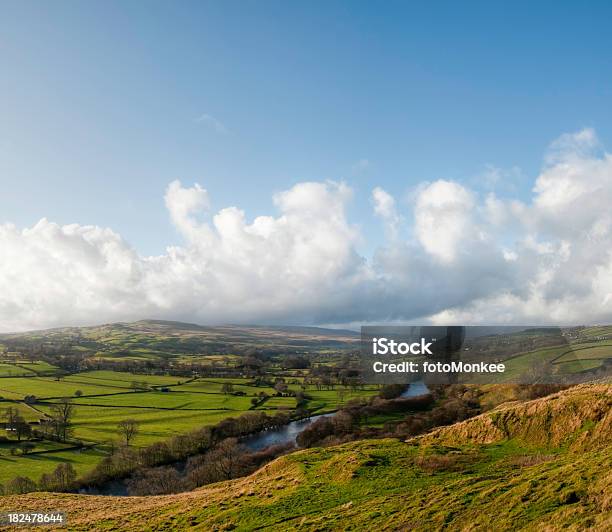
{"x": 541, "y": 465}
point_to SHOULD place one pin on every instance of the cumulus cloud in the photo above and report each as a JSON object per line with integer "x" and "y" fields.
{"x": 384, "y": 207}
{"x": 184, "y": 204}
{"x": 470, "y": 258}
{"x": 443, "y": 217}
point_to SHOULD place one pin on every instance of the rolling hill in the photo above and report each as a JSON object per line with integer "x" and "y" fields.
{"x": 152, "y": 339}
{"x": 545, "y": 464}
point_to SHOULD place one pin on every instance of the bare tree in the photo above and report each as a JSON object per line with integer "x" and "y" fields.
{"x": 227, "y": 388}
{"x": 11, "y": 414}
{"x": 61, "y": 414}
{"x": 22, "y": 428}
{"x": 20, "y": 485}
{"x": 224, "y": 462}
{"x": 280, "y": 387}
{"x": 155, "y": 481}
{"x": 16, "y": 423}
{"x": 128, "y": 428}
{"x": 64, "y": 475}
{"x": 226, "y": 458}
{"x": 62, "y": 479}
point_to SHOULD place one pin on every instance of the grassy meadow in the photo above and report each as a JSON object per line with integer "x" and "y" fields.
{"x": 163, "y": 406}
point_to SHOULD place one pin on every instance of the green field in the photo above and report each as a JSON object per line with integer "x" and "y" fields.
{"x": 327, "y": 400}
{"x": 34, "y": 465}
{"x": 8, "y": 370}
{"x": 48, "y": 387}
{"x": 576, "y": 366}
{"x": 174, "y": 400}
{"x": 562, "y": 360}
{"x": 214, "y": 386}
{"x": 583, "y": 357}
{"x": 119, "y": 378}
{"x": 99, "y": 424}
{"x": 109, "y": 397}
{"x": 29, "y": 413}
{"x": 38, "y": 366}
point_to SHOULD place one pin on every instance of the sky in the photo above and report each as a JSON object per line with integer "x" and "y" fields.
{"x": 304, "y": 162}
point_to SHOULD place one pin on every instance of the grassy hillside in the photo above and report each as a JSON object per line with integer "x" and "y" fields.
{"x": 155, "y": 339}
{"x": 541, "y": 465}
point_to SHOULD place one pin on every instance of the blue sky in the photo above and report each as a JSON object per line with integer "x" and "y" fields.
{"x": 316, "y": 163}
{"x": 100, "y": 100}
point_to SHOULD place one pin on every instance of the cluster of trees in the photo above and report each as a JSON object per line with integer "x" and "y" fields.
{"x": 62, "y": 479}
{"x": 225, "y": 461}
{"x": 391, "y": 391}
{"x": 16, "y": 424}
{"x": 443, "y": 406}
{"x": 54, "y": 427}
{"x": 227, "y": 388}
{"x": 296, "y": 362}
{"x": 58, "y": 426}
{"x": 454, "y": 403}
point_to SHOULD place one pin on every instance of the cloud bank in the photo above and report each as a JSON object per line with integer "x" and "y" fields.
{"x": 451, "y": 256}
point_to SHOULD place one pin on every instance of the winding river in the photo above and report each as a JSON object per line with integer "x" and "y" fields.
{"x": 286, "y": 434}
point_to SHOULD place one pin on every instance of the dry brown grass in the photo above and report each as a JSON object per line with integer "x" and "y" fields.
{"x": 90, "y": 512}
{"x": 548, "y": 421}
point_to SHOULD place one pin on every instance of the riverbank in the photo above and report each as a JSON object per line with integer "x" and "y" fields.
{"x": 284, "y": 435}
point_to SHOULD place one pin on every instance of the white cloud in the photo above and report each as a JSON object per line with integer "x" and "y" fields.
{"x": 469, "y": 259}
{"x": 184, "y": 204}
{"x": 384, "y": 208}
{"x": 443, "y": 216}
{"x": 495, "y": 178}
{"x": 211, "y": 121}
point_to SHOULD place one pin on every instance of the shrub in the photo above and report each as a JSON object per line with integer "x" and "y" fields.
{"x": 391, "y": 391}
{"x": 155, "y": 481}
{"x": 61, "y": 479}
{"x": 20, "y": 485}
{"x": 315, "y": 432}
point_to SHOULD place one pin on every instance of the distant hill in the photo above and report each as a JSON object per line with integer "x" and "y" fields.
{"x": 157, "y": 338}
{"x": 539, "y": 465}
